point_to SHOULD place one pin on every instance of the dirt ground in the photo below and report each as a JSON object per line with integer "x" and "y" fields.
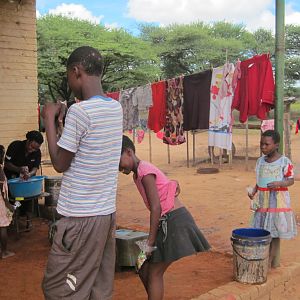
{"x": 218, "y": 203}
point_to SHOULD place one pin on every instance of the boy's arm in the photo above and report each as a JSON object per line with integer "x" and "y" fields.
{"x": 155, "y": 209}
{"x": 61, "y": 158}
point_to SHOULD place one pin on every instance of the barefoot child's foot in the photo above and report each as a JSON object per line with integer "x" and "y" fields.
{"x": 7, "y": 254}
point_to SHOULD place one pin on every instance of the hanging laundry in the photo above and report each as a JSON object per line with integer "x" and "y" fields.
{"x": 173, "y": 130}
{"x": 254, "y": 94}
{"x": 196, "y": 89}
{"x": 160, "y": 135}
{"x": 267, "y": 125}
{"x": 142, "y": 99}
{"x": 113, "y": 95}
{"x": 130, "y": 112}
{"x": 297, "y": 126}
{"x": 236, "y": 75}
{"x": 220, "y": 117}
{"x": 157, "y": 113}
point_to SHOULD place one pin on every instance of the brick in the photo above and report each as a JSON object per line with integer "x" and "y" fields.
{"x": 231, "y": 297}
{"x": 276, "y": 293}
{"x": 278, "y": 276}
{"x": 266, "y": 297}
{"x": 265, "y": 288}
{"x": 295, "y": 269}
{"x": 206, "y": 297}
{"x": 218, "y": 292}
{"x": 243, "y": 291}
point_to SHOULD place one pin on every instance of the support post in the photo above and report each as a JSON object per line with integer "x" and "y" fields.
{"x": 247, "y": 146}
{"x": 279, "y": 69}
{"x": 194, "y": 149}
{"x": 187, "y": 150}
{"x": 150, "y": 146}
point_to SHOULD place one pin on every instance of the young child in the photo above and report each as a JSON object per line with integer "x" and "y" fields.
{"x": 274, "y": 173}
{"x": 6, "y": 209}
{"x": 172, "y": 228}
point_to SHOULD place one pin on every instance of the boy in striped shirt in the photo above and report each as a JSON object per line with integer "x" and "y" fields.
{"x": 82, "y": 258}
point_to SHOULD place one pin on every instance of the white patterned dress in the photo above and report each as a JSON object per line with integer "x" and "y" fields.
{"x": 274, "y": 212}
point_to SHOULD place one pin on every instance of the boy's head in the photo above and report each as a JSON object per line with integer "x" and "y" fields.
{"x": 127, "y": 155}
{"x": 84, "y": 60}
{"x": 269, "y": 142}
{"x": 34, "y": 141}
{"x": 2, "y": 152}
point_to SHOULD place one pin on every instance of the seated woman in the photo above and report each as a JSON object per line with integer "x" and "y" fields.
{"x": 23, "y": 159}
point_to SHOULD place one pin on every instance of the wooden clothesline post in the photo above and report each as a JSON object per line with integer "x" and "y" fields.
{"x": 187, "y": 150}
{"x": 150, "y": 146}
{"x": 194, "y": 150}
{"x": 133, "y": 135}
{"x": 247, "y": 146}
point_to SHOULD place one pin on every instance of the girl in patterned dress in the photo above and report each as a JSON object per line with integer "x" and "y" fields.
{"x": 274, "y": 173}
{"x": 6, "y": 209}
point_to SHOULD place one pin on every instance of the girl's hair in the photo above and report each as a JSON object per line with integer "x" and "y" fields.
{"x": 2, "y": 152}
{"x": 127, "y": 144}
{"x": 35, "y": 136}
{"x": 274, "y": 134}
{"x": 89, "y": 58}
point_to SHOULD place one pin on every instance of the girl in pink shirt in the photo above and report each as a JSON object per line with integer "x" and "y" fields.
{"x": 173, "y": 232}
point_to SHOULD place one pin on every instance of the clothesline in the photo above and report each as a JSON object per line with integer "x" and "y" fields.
{"x": 204, "y": 100}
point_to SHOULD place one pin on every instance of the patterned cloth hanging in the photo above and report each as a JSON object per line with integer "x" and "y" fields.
{"x": 173, "y": 130}
{"x": 220, "y": 116}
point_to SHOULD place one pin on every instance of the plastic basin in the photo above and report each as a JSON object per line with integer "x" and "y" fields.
{"x": 26, "y": 189}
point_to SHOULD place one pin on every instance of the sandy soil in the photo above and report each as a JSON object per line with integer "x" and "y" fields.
{"x": 218, "y": 203}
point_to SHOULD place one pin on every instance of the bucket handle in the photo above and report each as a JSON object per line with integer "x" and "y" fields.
{"x": 253, "y": 259}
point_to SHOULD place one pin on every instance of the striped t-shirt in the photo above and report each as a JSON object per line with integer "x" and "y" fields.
{"x": 93, "y": 131}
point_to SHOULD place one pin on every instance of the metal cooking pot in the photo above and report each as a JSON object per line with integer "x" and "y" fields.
{"x": 52, "y": 186}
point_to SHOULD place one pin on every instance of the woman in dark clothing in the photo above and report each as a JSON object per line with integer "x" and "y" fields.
{"x": 24, "y": 157}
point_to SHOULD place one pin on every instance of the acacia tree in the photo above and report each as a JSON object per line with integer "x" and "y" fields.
{"x": 185, "y": 49}
{"x": 128, "y": 61}
{"x": 292, "y": 62}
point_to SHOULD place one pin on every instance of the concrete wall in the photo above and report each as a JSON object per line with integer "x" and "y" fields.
{"x": 18, "y": 70}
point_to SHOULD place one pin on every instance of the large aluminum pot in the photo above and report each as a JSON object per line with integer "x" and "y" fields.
{"x": 52, "y": 186}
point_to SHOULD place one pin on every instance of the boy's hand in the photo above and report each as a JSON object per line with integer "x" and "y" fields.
{"x": 52, "y": 110}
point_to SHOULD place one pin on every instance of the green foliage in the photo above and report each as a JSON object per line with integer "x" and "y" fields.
{"x": 128, "y": 60}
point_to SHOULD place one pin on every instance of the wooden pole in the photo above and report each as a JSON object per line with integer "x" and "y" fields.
{"x": 194, "y": 150}
{"x": 230, "y": 156}
{"x": 187, "y": 150}
{"x": 247, "y": 146}
{"x": 220, "y": 156}
{"x": 133, "y": 135}
{"x": 287, "y": 132}
{"x": 211, "y": 152}
{"x": 150, "y": 146}
{"x": 169, "y": 156}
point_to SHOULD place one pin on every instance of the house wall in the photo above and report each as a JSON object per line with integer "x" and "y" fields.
{"x": 18, "y": 70}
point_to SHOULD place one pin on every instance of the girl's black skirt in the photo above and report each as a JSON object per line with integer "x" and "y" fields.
{"x": 178, "y": 236}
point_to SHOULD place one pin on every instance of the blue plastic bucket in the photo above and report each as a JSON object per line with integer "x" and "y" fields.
{"x": 250, "y": 254}
{"x": 26, "y": 189}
